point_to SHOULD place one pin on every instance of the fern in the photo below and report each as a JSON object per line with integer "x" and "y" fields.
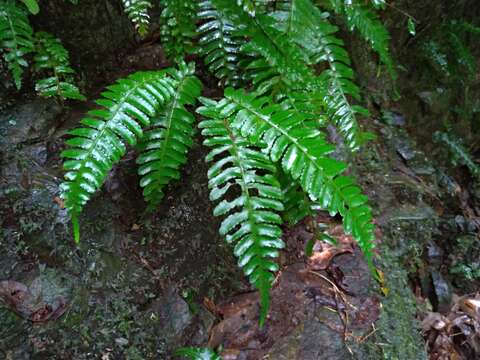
{"x": 308, "y": 27}
{"x": 198, "y": 354}
{"x": 360, "y": 17}
{"x": 178, "y": 27}
{"x": 460, "y": 153}
{"x": 269, "y": 157}
{"x": 296, "y": 202}
{"x": 16, "y": 38}
{"x": 51, "y": 56}
{"x": 302, "y": 150}
{"x": 219, "y": 44}
{"x": 252, "y": 222}
{"x": 32, "y": 6}
{"x": 165, "y": 144}
{"x": 339, "y": 80}
{"x": 126, "y": 108}
{"x": 248, "y": 6}
{"x": 137, "y": 11}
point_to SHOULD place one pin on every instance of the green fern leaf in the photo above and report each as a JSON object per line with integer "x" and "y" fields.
{"x": 126, "y": 108}
{"x": 286, "y": 62}
{"x": 137, "y": 12}
{"x": 178, "y": 27}
{"x": 297, "y": 204}
{"x": 307, "y": 26}
{"x": 302, "y": 151}
{"x": 16, "y": 38}
{"x": 460, "y": 153}
{"x": 164, "y": 146}
{"x": 366, "y": 21}
{"x": 198, "y": 354}
{"x": 32, "y": 6}
{"x": 248, "y": 6}
{"x": 251, "y": 222}
{"x": 52, "y": 57}
{"x": 219, "y": 43}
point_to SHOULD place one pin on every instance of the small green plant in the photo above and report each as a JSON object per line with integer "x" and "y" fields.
{"x": 460, "y": 154}
{"x": 137, "y": 11}
{"x": 51, "y": 57}
{"x": 18, "y": 40}
{"x": 198, "y": 354}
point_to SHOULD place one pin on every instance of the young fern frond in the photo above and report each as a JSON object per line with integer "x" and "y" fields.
{"x": 165, "y": 144}
{"x": 178, "y": 27}
{"x": 16, "y": 38}
{"x": 245, "y": 175}
{"x": 301, "y": 149}
{"x": 137, "y": 12}
{"x": 219, "y": 43}
{"x": 52, "y": 57}
{"x": 125, "y": 109}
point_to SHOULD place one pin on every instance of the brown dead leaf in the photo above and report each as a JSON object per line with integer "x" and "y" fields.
{"x": 135, "y": 227}
{"x": 19, "y": 298}
{"x": 59, "y": 201}
{"x": 210, "y": 306}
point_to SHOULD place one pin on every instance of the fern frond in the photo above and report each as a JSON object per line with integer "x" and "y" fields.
{"x": 297, "y": 204}
{"x": 125, "y": 109}
{"x": 339, "y": 82}
{"x": 287, "y": 63}
{"x": 460, "y": 154}
{"x": 366, "y": 21}
{"x": 198, "y": 354}
{"x": 137, "y": 12}
{"x": 219, "y": 43}
{"x": 251, "y": 222}
{"x": 248, "y": 6}
{"x": 16, "y": 38}
{"x": 164, "y": 146}
{"x": 303, "y": 153}
{"x": 32, "y": 6}
{"x": 307, "y": 26}
{"x": 178, "y": 27}
{"x": 51, "y": 56}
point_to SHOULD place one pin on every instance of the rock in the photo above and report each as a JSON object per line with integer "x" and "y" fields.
{"x": 173, "y": 315}
{"x": 405, "y": 150}
{"x": 121, "y": 341}
{"x": 310, "y": 341}
{"x": 442, "y": 291}
{"x": 434, "y": 255}
{"x": 393, "y": 118}
{"x": 29, "y": 121}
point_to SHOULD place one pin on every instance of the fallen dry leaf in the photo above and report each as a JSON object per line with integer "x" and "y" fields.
{"x": 19, "y": 298}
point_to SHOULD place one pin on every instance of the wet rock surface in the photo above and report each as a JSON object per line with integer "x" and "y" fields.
{"x": 112, "y": 296}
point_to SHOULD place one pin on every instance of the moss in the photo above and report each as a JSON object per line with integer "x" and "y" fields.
{"x": 397, "y": 335}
